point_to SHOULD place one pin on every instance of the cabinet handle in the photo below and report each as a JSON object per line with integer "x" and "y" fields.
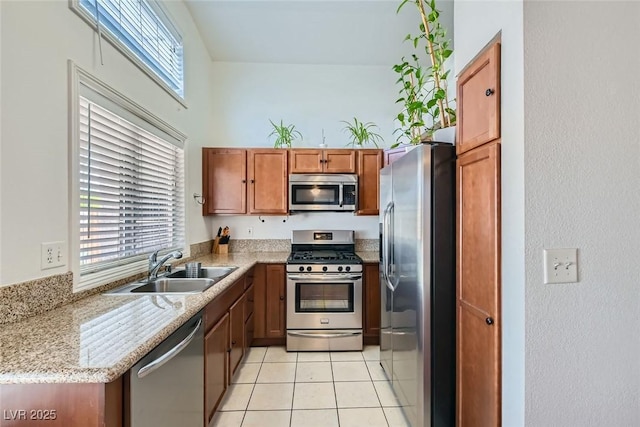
{"x": 253, "y": 181}
{"x": 233, "y": 343}
{"x": 489, "y": 321}
{"x": 489, "y": 92}
{"x": 281, "y": 298}
{"x": 244, "y": 181}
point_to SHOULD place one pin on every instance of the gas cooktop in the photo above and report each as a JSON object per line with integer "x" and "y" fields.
{"x": 323, "y": 257}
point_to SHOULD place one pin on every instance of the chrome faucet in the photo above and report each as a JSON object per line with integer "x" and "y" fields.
{"x": 155, "y": 264}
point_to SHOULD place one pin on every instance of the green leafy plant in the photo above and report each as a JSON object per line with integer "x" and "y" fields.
{"x": 285, "y": 135}
{"x": 361, "y": 133}
{"x": 423, "y": 92}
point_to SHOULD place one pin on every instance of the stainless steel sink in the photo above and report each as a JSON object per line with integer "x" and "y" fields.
{"x": 205, "y": 272}
{"x": 176, "y": 283}
{"x": 174, "y": 286}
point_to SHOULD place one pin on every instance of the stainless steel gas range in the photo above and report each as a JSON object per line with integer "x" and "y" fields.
{"x": 324, "y": 292}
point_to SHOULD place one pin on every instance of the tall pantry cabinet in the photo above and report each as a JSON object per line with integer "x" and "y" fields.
{"x": 478, "y": 287}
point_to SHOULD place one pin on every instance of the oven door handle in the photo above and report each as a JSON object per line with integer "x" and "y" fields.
{"x": 325, "y": 278}
{"x": 323, "y": 335}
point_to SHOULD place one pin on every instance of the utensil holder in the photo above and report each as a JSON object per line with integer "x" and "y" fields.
{"x": 223, "y": 249}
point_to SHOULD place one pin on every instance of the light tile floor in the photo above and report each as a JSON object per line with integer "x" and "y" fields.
{"x": 309, "y": 389}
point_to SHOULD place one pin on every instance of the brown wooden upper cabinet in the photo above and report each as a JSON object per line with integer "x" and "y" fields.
{"x": 230, "y": 176}
{"x": 224, "y": 180}
{"x": 478, "y": 93}
{"x": 369, "y": 164}
{"x": 306, "y": 160}
{"x": 267, "y": 176}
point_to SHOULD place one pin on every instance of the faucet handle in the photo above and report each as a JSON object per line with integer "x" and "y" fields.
{"x": 154, "y": 256}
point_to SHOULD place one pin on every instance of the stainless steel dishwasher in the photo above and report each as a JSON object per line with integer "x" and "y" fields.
{"x": 167, "y": 385}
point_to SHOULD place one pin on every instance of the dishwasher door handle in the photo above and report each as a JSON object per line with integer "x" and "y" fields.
{"x": 157, "y": 363}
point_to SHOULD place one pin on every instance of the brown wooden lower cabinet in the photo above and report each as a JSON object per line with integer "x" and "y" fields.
{"x": 215, "y": 366}
{"x": 270, "y": 304}
{"x": 236, "y": 338}
{"x": 479, "y": 287}
{"x": 371, "y": 304}
{"x": 276, "y": 301}
{"x": 225, "y": 342}
{"x": 249, "y": 325}
{"x": 62, "y": 405}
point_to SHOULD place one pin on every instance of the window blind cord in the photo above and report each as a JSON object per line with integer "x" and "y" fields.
{"x": 99, "y": 28}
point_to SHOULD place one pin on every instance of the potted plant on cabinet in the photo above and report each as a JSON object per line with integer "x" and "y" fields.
{"x": 423, "y": 89}
{"x": 285, "y": 135}
{"x": 361, "y": 133}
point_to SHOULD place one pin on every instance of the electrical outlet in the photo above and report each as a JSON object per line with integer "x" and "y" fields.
{"x": 250, "y": 231}
{"x": 560, "y": 265}
{"x": 53, "y": 254}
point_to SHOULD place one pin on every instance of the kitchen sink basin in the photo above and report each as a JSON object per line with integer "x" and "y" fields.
{"x": 176, "y": 283}
{"x": 174, "y": 286}
{"x": 205, "y": 272}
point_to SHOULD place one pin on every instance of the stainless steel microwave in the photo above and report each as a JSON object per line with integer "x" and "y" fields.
{"x": 323, "y": 192}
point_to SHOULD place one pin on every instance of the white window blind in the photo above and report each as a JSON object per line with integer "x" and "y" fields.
{"x": 131, "y": 190}
{"x": 144, "y": 29}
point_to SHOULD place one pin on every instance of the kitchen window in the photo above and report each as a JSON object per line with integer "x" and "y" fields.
{"x": 127, "y": 183}
{"x": 143, "y": 32}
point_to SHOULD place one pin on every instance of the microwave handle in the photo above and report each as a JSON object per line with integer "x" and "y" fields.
{"x": 340, "y": 195}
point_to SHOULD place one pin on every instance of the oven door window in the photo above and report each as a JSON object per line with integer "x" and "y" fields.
{"x": 324, "y": 297}
{"x": 307, "y": 194}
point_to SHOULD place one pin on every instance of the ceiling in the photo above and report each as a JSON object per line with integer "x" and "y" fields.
{"x": 334, "y": 32}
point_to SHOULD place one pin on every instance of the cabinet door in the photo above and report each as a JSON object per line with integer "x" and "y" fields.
{"x": 267, "y": 175}
{"x": 216, "y": 344}
{"x": 249, "y": 331}
{"x": 369, "y": 164}
{"x": 478, "y": 286}
{"x": 371, "y": 304}
{"x": 275, "y": 297}
{"x": 224, "y": 183}
{"x": 339, "y": 161}
{"x": 260, "y": 301}
{"x": 478, "y": 104}
{"x": 305, "y": 161}
{"x": 236, "y": 338}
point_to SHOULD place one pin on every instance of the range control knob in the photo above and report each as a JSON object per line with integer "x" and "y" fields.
{"x": 324, "y": 268}
{"x": 340, "y": 268}
{"x": 309, "y": 268}
{"x": 301, "y": 268}
{"x": 348, "y": 268}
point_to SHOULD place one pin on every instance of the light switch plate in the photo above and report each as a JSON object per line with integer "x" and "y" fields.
{"x": 561, "y": 265}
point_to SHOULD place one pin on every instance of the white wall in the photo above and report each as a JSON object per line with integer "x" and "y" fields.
{"x": 312, "y": 97}
{"x": 475, "y": 24}
{"x": 37, "y": 39}
{"x": 582, "y": 160}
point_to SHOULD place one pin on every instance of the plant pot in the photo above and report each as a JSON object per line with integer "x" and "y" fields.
{"x": 445, "y": 135}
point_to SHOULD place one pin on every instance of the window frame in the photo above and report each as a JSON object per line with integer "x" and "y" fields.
{"x": 75, "y": 6}
{"x": 77, "y": 77}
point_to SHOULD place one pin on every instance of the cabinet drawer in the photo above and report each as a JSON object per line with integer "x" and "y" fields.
{"x": 249, "y": 278}
{"x": 220, "y": 305}
{"x": 248, "y": 304}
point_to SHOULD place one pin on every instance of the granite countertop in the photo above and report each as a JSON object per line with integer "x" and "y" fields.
{"x": 98, "y": 338}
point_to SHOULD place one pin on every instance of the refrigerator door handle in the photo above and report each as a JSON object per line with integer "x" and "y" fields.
{"x": 385, "y": 244}
{"x": 390, "y": 266}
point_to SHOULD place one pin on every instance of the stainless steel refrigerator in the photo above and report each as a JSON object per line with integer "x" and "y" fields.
{"x": 417, "y": 254}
